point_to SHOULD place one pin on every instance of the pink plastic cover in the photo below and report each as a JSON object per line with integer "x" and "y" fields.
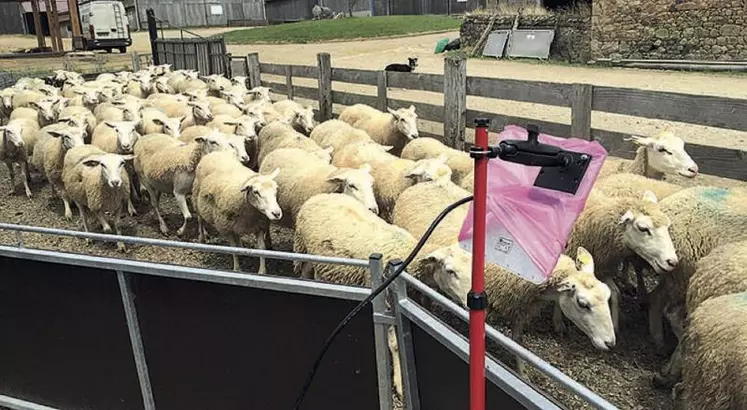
{"x": 527, "y": 227}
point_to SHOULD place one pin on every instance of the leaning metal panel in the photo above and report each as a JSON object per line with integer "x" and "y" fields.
{"x": 213, "y": 346}
{"x": 530, "y": 43}
{"x": 496, "y": 43}
{"x": 65, "y": 342}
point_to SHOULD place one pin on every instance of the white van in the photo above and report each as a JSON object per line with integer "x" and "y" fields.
{"x": 105, "y": 26}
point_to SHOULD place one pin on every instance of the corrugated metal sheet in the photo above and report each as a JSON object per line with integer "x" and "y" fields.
{"x": 289, "y": 10}
{"x": 202, "y": 13}
{"x": 12, "y": 19}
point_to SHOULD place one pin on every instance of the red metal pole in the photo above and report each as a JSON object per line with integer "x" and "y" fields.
{"x": 476, "y": 299}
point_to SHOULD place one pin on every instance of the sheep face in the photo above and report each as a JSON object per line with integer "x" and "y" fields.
{"x": 47, "y": 90}
{"x": 161, "y": 85}
{"x": 171, "y": 126}
{"x": 238, "y": 144}
{"x": 666, "y": 154}
{"x": 451, "y": 270}
{"x": 406, "y": 120}
{"x": 12, "y": 134}
{"x": 255, "y": 111}
{"x": 7, "y": 100}
{"x": 233, "y": 97}
{"x": 126, "y": 135}
{"x": 201, "y": 111}
{"x": 112, "y": 167}
{"x": 71, "y": 137}
{"x": 324, "y": 154}
{"x": 90, "y": 97}
{"x": 357, "y": 183}
{"x": 646, "y": 232}
{"x": 432, "y": 169}
{"x": 304, "y": 119}
{"x": 260, "y": 94}
{"x": 585, "y": 301}
{"x": 245, "y": 127}
{"x": 130, "y": 112}
{"x": 239, "y": 81}
{"x": 261, "y": 192}
{"x": 213, "y": 142}
{"x": 46, "y": 109}
{"x": 77, "y": 121}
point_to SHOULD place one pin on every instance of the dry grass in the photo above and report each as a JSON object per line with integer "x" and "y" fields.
{"x": 530, "y": 8}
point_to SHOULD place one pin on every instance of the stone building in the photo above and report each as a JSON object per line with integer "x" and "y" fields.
{"x": 669, "y": 29}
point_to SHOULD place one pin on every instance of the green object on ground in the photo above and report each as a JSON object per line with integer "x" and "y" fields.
{"x": 441, "y": 45}
{"x": 349, "y": 28}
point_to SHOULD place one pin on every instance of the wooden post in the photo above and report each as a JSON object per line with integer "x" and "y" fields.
{"x": 325, "y": 86}
{"x": 58, "y": 31}
{"x": 37, "y": 24}
{"x": 72, "y": 7}
{"x": 383, "y": 100}
{"x": 289, "y": 81}
{"x": 581, "y": 111}
{"x": 135, "y": 61}
{"x": 455, "y": 101}
{"x": 252, "y": 66}
{"x": 50, "y": 25}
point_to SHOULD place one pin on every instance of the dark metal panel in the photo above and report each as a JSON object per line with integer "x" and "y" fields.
{"x": 65, "y": 341}
{"x": 212, "y": 346}
{"x": 443, "y": 378}
{"x": 11, "y": 18}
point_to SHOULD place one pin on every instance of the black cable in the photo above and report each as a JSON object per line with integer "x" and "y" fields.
{"x": 375, "y": 293}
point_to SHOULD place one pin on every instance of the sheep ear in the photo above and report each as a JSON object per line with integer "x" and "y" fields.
{"x": 56, "y": 134}
{"x": 627, "y": 217}
{"x": 110, "y": 125}
{"x": 387, "y": 148}
{"x": 191, "y": 103}
{"x": 566, "y": 286}
{"x": 129, "y": 157}
{"x": 366, "y": 167}
{"x": 92, "y": 163}
{"x": 412, "y": 108}
{"x": 232, "y": 122}
{"x": 442, "y": 158}
{"x": 336, "y": 176}
{"x": 584, "y": 260}
{"x": 157, "y": 121}
{"x": 329, "y": 150}
{"x": 274, "y": 173}
{"x": 650, "y": 197}
{"x": 641, "y": 141}
{"x": 35, "y": 105}
{"x": 415, "y": 172}
{"x": 79, "y": 92}
{"x": 200, "y": 139}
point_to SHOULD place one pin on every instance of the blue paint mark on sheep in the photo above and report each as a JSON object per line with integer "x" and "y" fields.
{"x": 715, "y": 194}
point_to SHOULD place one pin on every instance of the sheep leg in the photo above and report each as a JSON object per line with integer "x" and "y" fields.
{"x": 672, "y": 370}
{"x": 25, "y": 175}
{"x": 104, "y": 224}
{"x": 155, "y": 198}
{"x": 118, "y": 229}
{"x": 396, "y": 366}
{"x": 614, "y": 303}
{"x": 261, "y": 244}
{"x": 182, "y": 186}
{"x": 557, "y": 320}
{"x": 83, "y": 218}
{"x": 268, "y": 238}
{"x": 517, "y": 334}
{"x": 201, "y": 232}
{"x": 655, "y": 323}
{"x": 66, "y": 202}
{"x": 12, "y": 174}
{"x": 233, "y": 240}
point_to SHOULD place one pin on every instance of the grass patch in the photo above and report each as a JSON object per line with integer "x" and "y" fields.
{"x": 343, "y": 29}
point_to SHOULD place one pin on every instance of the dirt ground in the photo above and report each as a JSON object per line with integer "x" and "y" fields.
{"x": 622, "y": 375}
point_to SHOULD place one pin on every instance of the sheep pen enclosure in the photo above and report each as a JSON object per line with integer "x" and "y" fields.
{"x": 447, "y": 105}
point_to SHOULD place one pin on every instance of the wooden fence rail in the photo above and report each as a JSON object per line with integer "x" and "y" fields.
{"x": 455, "y": 86}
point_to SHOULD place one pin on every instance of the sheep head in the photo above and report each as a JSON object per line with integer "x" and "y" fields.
{"x": 584, "y": 299}
{"x": 240, "y": 81}
{"x": 666, "y": 153}
{"x": 262, "y": 193}
{"x": 450, "y": 268}
{"x": 90, "y": 97}
{"x": 430, "y": 169}
{"x": 71, "y": 136}
{"x": 406, "y": 121}
{"x": 12, "y": 134}
{"x": 46, "y": 110}
{"x": 238, "y": 144}
{"x": 201, "y": 112}
{"x": 127, "y": 136}
{"x": 303, "y": 119}
{"x": 357, "y": 183}
{"x": 324, "y": 154}
{"x": 646, "y": 232}
{"x": 112, "y": 168}
{"x": 171, "y": 126}
{"x": 260, "y": 94}
{"x": 246, "y": 126}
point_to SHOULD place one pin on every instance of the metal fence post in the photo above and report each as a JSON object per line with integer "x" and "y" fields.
{"x": 455, "y": 102}
{"x": 153, "y": 34}
{"x": 135, "y": 61}
{"x": 411, "y": 397}
{"x": 128, "y": 302}
{"x": 252, "y": 68}
{"x": 382, "y": 321}
{"x": 325, "y": 86}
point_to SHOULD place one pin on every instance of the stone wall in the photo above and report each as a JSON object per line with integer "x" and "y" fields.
{"x": 572, "y": 41}
{"x": 670, "y": 29}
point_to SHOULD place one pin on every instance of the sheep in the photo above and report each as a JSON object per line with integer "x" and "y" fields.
{"x": 302, "y": 175}
{"x": 337, "y": 134}
{"x": 217, "y": 83}
{"x": 227, "y": 109}
{"x": 395, "y": 128}
{"x": 302, "y": 118}
{"x": 47, "y": 110}
{"x": 118, "y": 137}
{"x": 88, "y": 118}
{"x": 258, "y": 95}
{"x": 202, "y": 95}
{"x": 236, "y": 201}
{"x": 721, "y": 272}
{"x": 392, "y": 175}
{"x": 25, "y": 112}
{"x": 24, "y": 98}
{"x": 572, "y": 288}
{"x": 280, "y": 134}
{"x": 52, "y": 144}
{"x": 172, "y": 107}
{"x": 359, "y": 234}
{"x": 634, "y": 185}
{"x": 237, "y": 143}
{"x": 713, "y": 375}
{"x": 460, "y": 162}
{"x": 656, "y": 156}
{"x": 17, "y": 142}
{"x": 85, "y": 97}
{"x": 720, "y": 215}
{"x": 189, "y": 133}
{"x": 244, "y": 125}
{"x": 165, "y": 164}
{"x": 154, "y": 120}
{"x": 240, "y": 82}
{"x": 97, "y": 182}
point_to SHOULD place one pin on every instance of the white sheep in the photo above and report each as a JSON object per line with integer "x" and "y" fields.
{"x": 301, "y": 118}
{"x": 244, "y": 125}
{"x": 395, "y": 127}
{"x": 280, "y": 134}
{"x": 24, "y": 98}
{"x": 240, "y": 82}
{"x": 258, "y": 95}
{"x": 85, "y": 97}
{"x": 52, "y": 144}
{"x": 217, "y": 83}
{"x": 166, "y": 165}
{"x": 47, "y": 110}
{"x": 98, "y": 183}
{"x": 237, "y": 143}
{"x": 17, "y": 140}
{"x": 634, "y": 185}
{"x": 337, "y": 134}
{"x": 657, "y": 156}
{"x": 303, "y": 175}
{"x": 460, "y": 162}
{"x": 154, "y": 120}
{"x": 236, "y": 201}
{"x": 82, "y": 113}
{"x": 199, "y": 114}
{"x": 392, "y": 175}
{"x": 714, "y": 359}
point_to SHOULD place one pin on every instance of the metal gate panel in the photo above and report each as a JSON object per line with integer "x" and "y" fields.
{"x": 496, "y": 44}
{"x": 530, "y": 43}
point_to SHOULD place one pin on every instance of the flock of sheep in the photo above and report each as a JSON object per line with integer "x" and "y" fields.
{"x": 367, "y": 183}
